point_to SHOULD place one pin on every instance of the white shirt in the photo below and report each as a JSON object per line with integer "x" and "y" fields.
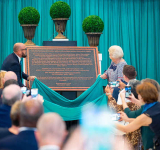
{"x": 118, "y": 132}
{"x": 119, "y": 101}
{"x": 19, "y": 58}
{"x": 26, "y": 128}
{"x": 49, "y": 147}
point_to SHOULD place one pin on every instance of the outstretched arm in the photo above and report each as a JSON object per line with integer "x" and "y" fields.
{"x": 142, "y": 120}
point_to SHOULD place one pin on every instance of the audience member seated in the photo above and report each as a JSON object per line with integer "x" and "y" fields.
{"x": 150, "y": 116}
{"x": 133, "y": 138}
{"x": 129, "y": 73}
{"x": 112, "y": 102}
{"x": 7, "y": 76}
{"x": 146, "y": 133}
{"x": 8, "y": 82}
{"x": 155, "y": 83}
{"x": 14, "y": 129}
{"x": 11, "y": 94}
{"x": 30, "y": 112}
{"x": 51, "y": 132}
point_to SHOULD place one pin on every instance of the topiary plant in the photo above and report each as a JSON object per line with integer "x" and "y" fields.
{"x": 93, "y": 24}
{"x": 60, "y": 10}
{"x": 29, "y": 15}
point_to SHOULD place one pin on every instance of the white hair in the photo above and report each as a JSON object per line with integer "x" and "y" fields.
{"x": 116, "y": 51}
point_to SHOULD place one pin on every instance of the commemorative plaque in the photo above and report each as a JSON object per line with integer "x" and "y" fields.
{"x": 63, "y": 68}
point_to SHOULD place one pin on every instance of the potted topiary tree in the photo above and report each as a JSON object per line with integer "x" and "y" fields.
{"x": 93, "y": 27}
{"x": 29, "y": 18}
{"x": 60, "y": 13}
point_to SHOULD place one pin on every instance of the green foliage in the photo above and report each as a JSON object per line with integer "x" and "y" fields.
{"x": 93, "y": 24}
{"x": 29, "y": 15}
{"x": 60, "y": 10}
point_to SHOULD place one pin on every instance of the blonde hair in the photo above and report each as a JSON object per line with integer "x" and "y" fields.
{"x": 116, "y": 51}
{"x": 2, "y": 74}
{"x": 14, "y": 114}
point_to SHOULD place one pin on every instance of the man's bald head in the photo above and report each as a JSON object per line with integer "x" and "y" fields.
{"x": 17, "y": 46}
{"x": 51, "y": 128}
{"x": 30, "y": 111}
{"x": 11, "y": 94}
{"x": 20, "y": 50}
{"x": 10, "y": 75}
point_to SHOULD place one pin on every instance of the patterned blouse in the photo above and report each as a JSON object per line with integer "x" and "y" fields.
{"x": 115, "y": 71}
{"x": 133, "y": 137}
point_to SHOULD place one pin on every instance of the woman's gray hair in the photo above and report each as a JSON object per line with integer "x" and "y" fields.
{"x": 155, "y": 83}
{"x": 116, "y": 51}
{"x": 133, "y": 83}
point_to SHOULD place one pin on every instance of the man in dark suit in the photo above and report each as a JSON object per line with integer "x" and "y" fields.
{"x": 14, "y": 129}
{"x": 11, "y": 94}
{"x": 30, "y": 111}
{"x": 13, "y": 63}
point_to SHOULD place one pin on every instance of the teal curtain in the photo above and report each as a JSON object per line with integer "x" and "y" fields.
{"x": 132, "y": 24}
{"x": 71, "y": 109}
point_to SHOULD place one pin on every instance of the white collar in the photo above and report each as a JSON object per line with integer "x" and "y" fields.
{"x": 49, "y": 147}
{"x": 19, "y": 58}
{"x": 26, "y": 128}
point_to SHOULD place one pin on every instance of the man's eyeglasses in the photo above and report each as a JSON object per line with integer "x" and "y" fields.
{"x": 24, "y": 49}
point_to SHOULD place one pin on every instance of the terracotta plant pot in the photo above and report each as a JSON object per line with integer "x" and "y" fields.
{"x": 60, "y": 25}
{"x": 93, "y": 38}
{"x": 29, "y": 32}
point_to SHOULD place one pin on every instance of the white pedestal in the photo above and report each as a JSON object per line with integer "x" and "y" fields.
{"x": 60, "y": 39}
{"x": 100, "y": 59}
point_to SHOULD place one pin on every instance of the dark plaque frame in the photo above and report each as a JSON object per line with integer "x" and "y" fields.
{"x": 59, "y": 43}
{"x": 92, "y": 52}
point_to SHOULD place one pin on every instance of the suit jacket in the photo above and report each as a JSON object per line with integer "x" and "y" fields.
{"x": 25, "y": 140}
{"x": 4, "y": 132}
{"x": 5, "y": 120}
{"x": 11, "y": 63}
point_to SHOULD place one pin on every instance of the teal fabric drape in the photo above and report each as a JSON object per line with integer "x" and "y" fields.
{"x": 132, "y": 24}
{"x": 71, "y": 109}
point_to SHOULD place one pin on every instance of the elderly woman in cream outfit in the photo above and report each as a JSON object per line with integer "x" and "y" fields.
{"x": 115, "y": 70}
